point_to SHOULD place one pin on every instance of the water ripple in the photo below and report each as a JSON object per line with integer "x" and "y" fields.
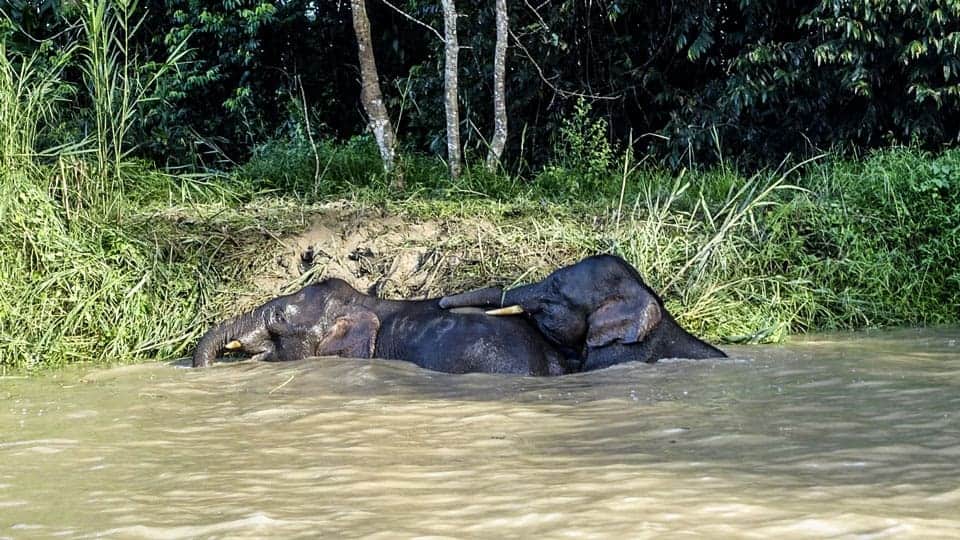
{"x": 830, "y": 436}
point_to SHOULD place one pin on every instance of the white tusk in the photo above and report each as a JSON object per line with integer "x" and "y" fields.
{"x": 509, "y": 310}
{"x": 233, "y": 345}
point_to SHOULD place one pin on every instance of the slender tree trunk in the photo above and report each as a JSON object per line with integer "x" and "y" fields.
{"x": 370, "y": 96}
{"x": 499, "y": 88}
{"x": 451, "y": 50}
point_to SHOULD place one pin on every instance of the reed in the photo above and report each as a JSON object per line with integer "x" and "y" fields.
{"x": 76, "y": 283}
{"x": 118, "y": 88}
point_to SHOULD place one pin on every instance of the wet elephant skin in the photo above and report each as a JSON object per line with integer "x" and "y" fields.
{"x": 331, "y": 318}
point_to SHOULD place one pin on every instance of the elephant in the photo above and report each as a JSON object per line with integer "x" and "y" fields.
{"x": 599, "y": 310}
{"x": 331, "y": 318}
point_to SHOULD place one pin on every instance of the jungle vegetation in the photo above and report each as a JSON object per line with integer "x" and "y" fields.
{"x": 771, "y": 167}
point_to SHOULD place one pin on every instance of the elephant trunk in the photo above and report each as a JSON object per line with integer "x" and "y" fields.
{"x": 675, "y": 342}
{"x": 526, "y": 296}
{"x": 215, "y": 341}
{"x": 491, "y": 296}
{"x": 212, "y": 344}
{"x": 701, "y": 349}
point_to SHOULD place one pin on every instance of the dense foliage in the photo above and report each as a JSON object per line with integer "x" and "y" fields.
{"x": 694, "y": 81}
{"x": 110, "y": 251}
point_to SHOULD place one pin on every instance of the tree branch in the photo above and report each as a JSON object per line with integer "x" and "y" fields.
{"x": 555, "y": 88}
{"x": 414, "y": 19}
{"x": 537, "y": 14}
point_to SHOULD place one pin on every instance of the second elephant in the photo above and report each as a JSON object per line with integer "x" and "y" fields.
{"x": 331, "y": 318}
{"x": 599, "y": 310}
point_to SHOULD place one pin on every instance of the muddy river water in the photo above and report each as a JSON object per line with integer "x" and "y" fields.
{"x": 842, "y": 435}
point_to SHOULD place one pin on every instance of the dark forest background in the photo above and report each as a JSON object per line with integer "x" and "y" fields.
{"x": 692, "y": 81}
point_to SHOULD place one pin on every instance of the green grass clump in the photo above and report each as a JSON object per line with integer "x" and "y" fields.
{"x": 879, "y": 237}
{"x": 81, "y": 290}
{"x": 123, "y": 284}
{"x": 74, "y": 284}
{"x": 80, "y": 278}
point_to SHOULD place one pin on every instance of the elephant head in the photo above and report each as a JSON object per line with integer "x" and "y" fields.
{"x": 600, "y": 309}
{"x": 327, "y": 318}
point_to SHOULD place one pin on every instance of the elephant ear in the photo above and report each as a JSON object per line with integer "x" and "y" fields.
{"x": 353, "y": 335}
{"x": 627, "y": 320}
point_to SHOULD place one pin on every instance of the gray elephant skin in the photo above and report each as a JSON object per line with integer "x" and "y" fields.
{"x": 599, "y": 310}
{"x": 331, "y": 318}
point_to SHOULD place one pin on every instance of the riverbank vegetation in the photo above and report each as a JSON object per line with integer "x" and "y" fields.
{"x": 133, "y": 213}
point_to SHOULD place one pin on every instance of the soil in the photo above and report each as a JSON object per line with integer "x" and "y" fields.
{"x": 384, "y": 255}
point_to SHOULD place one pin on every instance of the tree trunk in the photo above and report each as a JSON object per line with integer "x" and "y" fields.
{"x": 370, "y": 95}
{"x": 499, "y": 88}
{"x": 451, "y": 50}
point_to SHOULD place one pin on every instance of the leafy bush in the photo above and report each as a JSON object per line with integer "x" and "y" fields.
{"x": 584, "y": 158}
{"x": 879, "y": 237}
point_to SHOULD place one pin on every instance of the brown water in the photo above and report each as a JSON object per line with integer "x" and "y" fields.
{"x": 832, "y": 436}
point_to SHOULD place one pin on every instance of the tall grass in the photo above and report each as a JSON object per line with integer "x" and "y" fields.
{"x": 29, "y": 93}
{"x": 833, "y": 244}
{"x": 880, "y": 238}
{"x": 116, "y": 86}
{"x": 74, "y": 284}
{"x": 704, "y": 259}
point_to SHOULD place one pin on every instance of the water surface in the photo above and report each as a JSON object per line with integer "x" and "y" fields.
{"x": 845, "y": 435}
